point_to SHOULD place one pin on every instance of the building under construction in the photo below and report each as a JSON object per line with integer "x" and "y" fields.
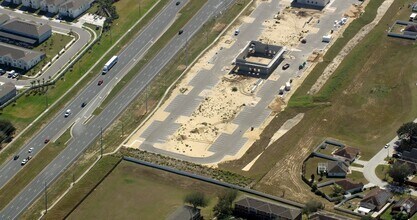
{"x": 258, "y": 59}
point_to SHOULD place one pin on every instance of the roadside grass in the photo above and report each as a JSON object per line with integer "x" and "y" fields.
{"x": 357, "y": 176}
{"x": 375, "y": 97}
{"x": 117, "y": 197}
{"x": 300, "y": 97}
{"x": 381, "y": 172}
{"x": 387, "y": 214}
{"x": 31, "y": 169}
{"x": 50, "y": 47}
{"x": 186, "y": 13}
{"x": 356, "y": 165}
{"x": 136, "y": 112}
{"x": 27, "y": 108}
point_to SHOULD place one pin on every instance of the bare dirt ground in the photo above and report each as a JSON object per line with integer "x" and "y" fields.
{"x": 225, "y": 100}
{"x": 348, "y": 48}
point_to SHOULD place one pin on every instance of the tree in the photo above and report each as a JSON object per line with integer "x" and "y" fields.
{"x": 312, "y": 206}
{"x": 399, "y": 172}
{"x": 337, "y": 191}
{"x": 223, "y": 208}
{"x": 401, "y": 216}
{"x": 196, "y": 199}
{"x": 6, "y": 131}
{"x": 408, "y": 135}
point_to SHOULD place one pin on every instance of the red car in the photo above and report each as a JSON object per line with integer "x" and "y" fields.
{"x": 100, "y": 82}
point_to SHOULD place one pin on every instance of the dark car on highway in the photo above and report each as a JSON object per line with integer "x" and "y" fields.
{"x": 83, "y": 104}
{"x": 16, "y": 157}
{"x": 100, "y": 82}
{"x": 178, "y": 3}
{"x": 180, "y": 32}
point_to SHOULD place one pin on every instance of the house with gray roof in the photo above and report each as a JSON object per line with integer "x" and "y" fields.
{"x": 26, "y": 32}
{"x": 333, "y": 168}
{"x": 19, "y": 57}
{"x": 410, "y": 155}
{"x": 375, "y": 199}
{"x": 7, "y": 91}
{"x": 35, "y": 4}
{"x": 16, "y": 2}
{"x": 3, "y": 18}
{"x": 74, "y": 8}
{"x": 250, "y": 208}
{"x": 51, "y": 6}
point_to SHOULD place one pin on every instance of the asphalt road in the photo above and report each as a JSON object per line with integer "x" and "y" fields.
{"x": 83, "y": 39}
{"x": 91, "y": 130}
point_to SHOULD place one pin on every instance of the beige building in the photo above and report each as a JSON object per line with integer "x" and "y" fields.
{"x": 19, "y": 57}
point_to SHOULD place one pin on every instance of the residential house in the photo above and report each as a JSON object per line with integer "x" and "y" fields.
{"x": 51, "y": 6}
{"x": 333, "y": 168}
{"x": 408, "y": 206}
{"x": 349, "y": 186}
{"x": 74, "y": 8}
{"x": 347, "y": 154}
{"x": 24, "y": 32}
{"x": 374, "y": 200}
{"x": 186, "y": 213}
{"x": 19, "y": 57}
{"x": 249, "y": 208}
{"x": 3, "y": 18}
{"x": 314, "y": 3}
{"x": 16, "y": 2}
{"x": 7, "y": 91}
{"x": 411, "y": 165}
{"x": 411, "y": 155}
{"x": 35, "y": 4}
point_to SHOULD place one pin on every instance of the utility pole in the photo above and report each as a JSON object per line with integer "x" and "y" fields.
{"x": 46, "y": 199}
{"x": 122, "y": 128}
{"x": 146, "y": 100}
{"x": 101, "y": 142}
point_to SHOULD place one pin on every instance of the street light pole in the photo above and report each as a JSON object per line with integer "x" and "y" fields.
{"x": 46, "y": 199}
{"x": 101, "y": 142}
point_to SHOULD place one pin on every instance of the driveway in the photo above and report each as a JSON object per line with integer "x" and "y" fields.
{"x": 84, "y": 37}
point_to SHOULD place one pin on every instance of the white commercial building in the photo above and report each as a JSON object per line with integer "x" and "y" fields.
{"x": 318, "y": 3}
{"x": 35, "y": 4}
{"x": 73, "y": 8}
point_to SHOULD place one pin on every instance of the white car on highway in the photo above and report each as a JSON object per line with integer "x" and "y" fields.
{"x": 30, "y": 150}
{"x": 67, "y": 113}
{"x": 24, "y": 161}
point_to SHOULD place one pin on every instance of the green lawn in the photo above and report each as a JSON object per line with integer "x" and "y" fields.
{"x": 368, "y": 98}
{"x": 381, "y": 172}
{"x": 132, "y": 191}
{"x": 328, "y": 150}
{"x": 311, "y": 168}
{"x": 351, "y": 204}
{"x": 357, "y": 176}
{"x": 31, "y": 169}
{"x": 27, "y": 108}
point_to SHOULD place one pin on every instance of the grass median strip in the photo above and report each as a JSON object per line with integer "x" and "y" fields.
{"x": 132, "y": 116}
{"x": 29, "y": 107}
{"x": 31, "y": 169}
{"x": 186, "y": 14}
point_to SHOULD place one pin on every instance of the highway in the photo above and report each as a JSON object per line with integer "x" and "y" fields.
{"x": 84, "y": 37}
{"x": 92, "y": 92}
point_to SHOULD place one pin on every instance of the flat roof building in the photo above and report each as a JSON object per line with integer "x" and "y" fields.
{"x": 24, "y": 32}
{"x": 74, "y": 8}
{"x": 7, "y": 91}
{"x": 19, "y": 57}
{"x": 3, "y": 18}
{"x": 258, "y": 59}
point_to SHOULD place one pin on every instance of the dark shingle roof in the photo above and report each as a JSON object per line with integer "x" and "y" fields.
{"x": 277, "y": 210}
{"x": 411, "y": 28}
{"x": 27, "y": 27}
{"x": 408, "y": 205}
{"x": 6, "y": 88}
{"x": 18, "y": 52}
{"x": 336, "y": 167}
{"x": 376, "y": 198}
{"x": 347, "y": 152}
{"x": 413, "y": 153}
{"x": 347, "y": 184}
